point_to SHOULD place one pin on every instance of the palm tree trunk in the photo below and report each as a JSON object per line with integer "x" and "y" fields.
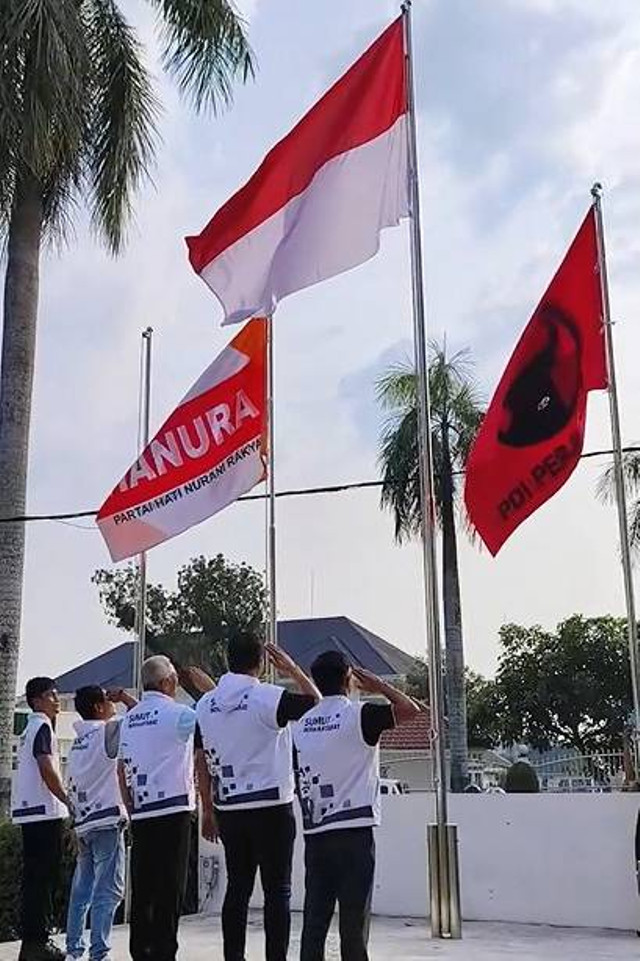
{"x": 456, "y": 696}
{"x": 16, "y": 382}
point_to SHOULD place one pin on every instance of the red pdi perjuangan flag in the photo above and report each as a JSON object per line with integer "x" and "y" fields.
{"x": 208, "y": 453}
{"x": 532, "y": 435}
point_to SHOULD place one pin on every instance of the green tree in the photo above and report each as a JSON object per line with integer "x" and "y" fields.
{"x": 481, "y": 699}
{"x": 214, "y": 599}
{"x": 571, "y": 686}
{"x": 456, "y": 414}
{"x": 77, "y": 124}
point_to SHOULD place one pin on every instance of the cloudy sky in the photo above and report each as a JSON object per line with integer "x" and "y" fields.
{"x": 522, "y": 104}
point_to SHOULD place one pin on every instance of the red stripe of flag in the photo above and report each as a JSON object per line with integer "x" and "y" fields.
{"x": 363, "y": 104}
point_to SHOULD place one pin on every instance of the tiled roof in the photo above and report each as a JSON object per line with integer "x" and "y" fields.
{"x": 413, "y": 736}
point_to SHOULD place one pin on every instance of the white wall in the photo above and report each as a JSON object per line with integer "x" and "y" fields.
{"x": 544, "y": 859}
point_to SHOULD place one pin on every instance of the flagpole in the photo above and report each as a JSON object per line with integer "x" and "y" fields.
{"x": 618, "y": 469}
{"x": 143, "y": 441}
{"x": 272, "y": 626}
{"x": 443, "y": 855}
{"x": 144, "y": 411}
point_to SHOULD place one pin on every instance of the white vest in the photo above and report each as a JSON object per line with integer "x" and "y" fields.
{"x": 158, "y": 764}
{"x": 337, "y": 771}
{"x": 31, "y": 799}
{"x": 250, "y": 757}
{"x": 93, "y": 786}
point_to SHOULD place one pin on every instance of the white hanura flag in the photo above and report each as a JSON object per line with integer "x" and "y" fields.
{"x": 318, "y": 202}
{"x": 208, "y": 453}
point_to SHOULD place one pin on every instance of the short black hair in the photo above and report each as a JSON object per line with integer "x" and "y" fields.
{"x": 87, "y": 700}
{"x": 36, "y": 687}
{"x": 245, "y": 652}
{"x": 329, "y": 671}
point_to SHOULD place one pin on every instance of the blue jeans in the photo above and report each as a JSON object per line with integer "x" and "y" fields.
{"x": 98, "y": 884}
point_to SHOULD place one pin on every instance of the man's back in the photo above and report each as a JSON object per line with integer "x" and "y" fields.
{"x": 248, "y": 751}
{"x": 156, "y": 749}
{"x": 336, "y": 769}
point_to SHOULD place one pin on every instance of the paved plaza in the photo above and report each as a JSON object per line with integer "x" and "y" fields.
{"x": 407, "y": 940}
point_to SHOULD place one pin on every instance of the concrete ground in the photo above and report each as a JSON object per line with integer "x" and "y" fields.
{"x": 407, "y": 940}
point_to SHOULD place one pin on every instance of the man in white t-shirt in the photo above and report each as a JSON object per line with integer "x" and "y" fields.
{"x": 245, "y": 770}
{"x": 156, "y": 776}
{"x": 337, "y": 769}
{"x": 39, "y": 806}
{"x": 100, "y": 817}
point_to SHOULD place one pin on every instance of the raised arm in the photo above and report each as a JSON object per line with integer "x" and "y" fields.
{"x": 405, "y": 708}
{"x": 286, "y": 666}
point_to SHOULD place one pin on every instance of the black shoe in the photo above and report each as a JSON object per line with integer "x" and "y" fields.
{"x": 40, "y": 951}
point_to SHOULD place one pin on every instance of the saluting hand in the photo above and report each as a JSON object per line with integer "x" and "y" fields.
{"x": 120, "y": 696}
{"x": 199, "y": 679}
{"x": 281, "y": 661}
{"x": 367, "y": 682}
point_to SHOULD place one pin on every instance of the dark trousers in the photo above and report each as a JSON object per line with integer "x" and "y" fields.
{"x": 339, "y": 867}
{"x": 159, "y": 862}
{"x": 259, "y": 839}
{"x": 41, "y": 854}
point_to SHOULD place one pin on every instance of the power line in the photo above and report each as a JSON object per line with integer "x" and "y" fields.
{"x": 293, "y": 492}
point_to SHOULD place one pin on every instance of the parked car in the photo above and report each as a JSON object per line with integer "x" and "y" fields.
{"x": 390, "y": 786}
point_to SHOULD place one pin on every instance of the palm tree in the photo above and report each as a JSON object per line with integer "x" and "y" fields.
{"x": 456, "y": 414}
{"x": 77, "y": 123}
{"x": 606, "y": 492}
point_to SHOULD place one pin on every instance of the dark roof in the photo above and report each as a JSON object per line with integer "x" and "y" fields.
{"x": 303, "y": 640}
{"x": 114, "y": 669}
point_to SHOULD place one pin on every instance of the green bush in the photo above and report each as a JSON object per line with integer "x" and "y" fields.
{"x": 11, "y": 880}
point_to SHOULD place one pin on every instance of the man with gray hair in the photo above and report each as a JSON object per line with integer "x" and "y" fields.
{"x": 156, "y": 778}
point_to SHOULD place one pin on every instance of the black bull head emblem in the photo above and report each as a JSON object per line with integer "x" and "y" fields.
{"x": 543, "y": 396}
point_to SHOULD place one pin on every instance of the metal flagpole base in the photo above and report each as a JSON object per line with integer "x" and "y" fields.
{"x": 444, "y": 881}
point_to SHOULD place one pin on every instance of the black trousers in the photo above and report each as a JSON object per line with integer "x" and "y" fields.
{"x": 339, "y": 867}
{"x": 41, "y": 856}
{"x": 262, "y": 839}
{"x": 159, "y": 863}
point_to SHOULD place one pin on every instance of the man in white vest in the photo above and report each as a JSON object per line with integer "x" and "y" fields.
{"x": 337, "y": 769}
{"x": 100, "y": 817}
{"x": 156, "y": 775}
{"x": 39, "y": 806}
{"x": 244, "y": 746}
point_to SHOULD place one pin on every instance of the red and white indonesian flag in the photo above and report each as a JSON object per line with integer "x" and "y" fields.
{"x": 206, "y": 455}
{"x": 318, "y": 202}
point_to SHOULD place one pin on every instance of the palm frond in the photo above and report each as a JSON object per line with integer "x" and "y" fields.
{"x": 606, "y": 492}
{"x": 456, "y": 412}
{"x": 633, "y": 522}
{"x": 122, "y": 131}
{"x": 396, "y": 389}
{"x": 606, "y": 486}
{"x": 205, "y": 49}
{"x": 400, "y": 475}
{"x": 42, "y": 47}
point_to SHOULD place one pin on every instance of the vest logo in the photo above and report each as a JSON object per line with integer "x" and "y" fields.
{"x": 321, "y": 723}
{"x": 143, "y": 719}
